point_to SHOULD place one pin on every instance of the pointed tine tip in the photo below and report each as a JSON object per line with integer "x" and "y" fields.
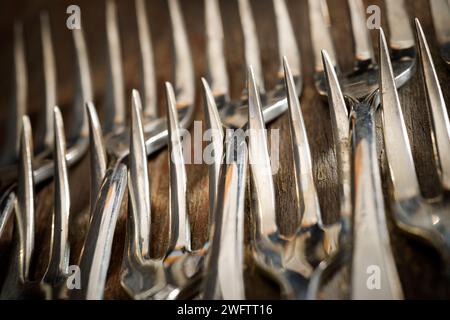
{"x": 170, "y": 94}
{"x": 26, "y": 126}
{"x": 251, "y": 81}
{"x": 136, "y": 99}
{"x": 383, "y": 42}
{"x": 330, "y": 72}
{"x": 285, "y": 62}
{"x": 204, "y": 83}
{"x": 58, "y": 121}
{"x": 420, "y": 34}
{"x": 171, "y": 106}
{"x": 417, "y": 23}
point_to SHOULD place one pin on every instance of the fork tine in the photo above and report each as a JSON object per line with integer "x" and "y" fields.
{"x": 96, "y": 253}
{"x": 24, "y": 230}
{"x": 363, "y": 44}
{"x": 97, "y": 154}
{"x": 19, "y": 100}
{"x": 60, "y": 250}
{"x": 260, "y": 161}
{"x": 25, "y": 197}
{"x": 440, "y": 10}
{"x": 306, "y": 188}
{"x": 287, "y": 44}
{"x": 50, "y": 81}
{"x": 148, "y": 70}
{"x": 341, "y": 128}
{"x": 139, "y": 186}
{"x": 438, "y": 109}
{"x": 6, "y": 208}
{"x": 214, "y": 125}
{"x": 320, "y": 32}
{"x": 252, "y": 53}
{"x": 84, "y": 86}
{"x": 398, "y": 150}
{"x": 115, "y": 98}
{"x": 224, "y": 265}
{"x": 184, "y": 69}
{"x": 179, "y": 220}
{"x": 401, "y": 34}
{"x": 217, "y": 70}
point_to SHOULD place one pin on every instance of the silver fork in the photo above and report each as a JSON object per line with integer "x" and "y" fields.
{"x": 43, "y": 164}
{"x": 360, "y": 87}
{"x": 428, "y": 220}
{"x": 142, "y": 276}
{"x": 18, "y": 283}
{"x": 440, "y": 10}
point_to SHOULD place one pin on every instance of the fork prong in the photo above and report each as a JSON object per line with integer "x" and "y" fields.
{"x": 438, "y": 109}
{"x": 217, "y": 70}
{"x": 341, "y": 128}
{"x": 214, "y": 126}
{"x": 148, "y": 69}
{"x": 96, "y": 253}
{"x": 306, "y": 188}
{"x": 363, "y": 44}
{"x": 287, "y": 44}
{"x": 252, "y": 53}
{"x": 59, "y": 256}
{"x": 398, "y": 149}
{"x": 262, "y": 182}
{"x": 440, "y": 10}
{"x": 401, "y": 34}
{"x": 25, "y": 199}
{"x": 179, "y": 220}
{"x": 184, "y": 69}
{"x": 19, "y": 99}
{"x": 97, "y": 154}
{"x": 115, "y": 97}
{"x": 224, "y": 265}
{"x": 320, "y": 32}
{"x": 6, "y": 208}
{"x": 84, "y": 91}
{"x": 50, "y": 81}
{"x": 139, "y": 186}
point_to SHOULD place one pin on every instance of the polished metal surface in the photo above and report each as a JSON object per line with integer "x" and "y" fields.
{"x": 360, "y": 87}
{"x": 244, "y": 234}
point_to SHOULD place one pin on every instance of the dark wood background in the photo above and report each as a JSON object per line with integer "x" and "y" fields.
{"x": 418, "y": 266}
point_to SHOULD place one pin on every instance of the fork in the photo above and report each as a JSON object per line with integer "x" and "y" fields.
{"x": 43, "y": 164}
{"x": 427, "y": 220}
{"x": 360, "y": 87}
{"x": 18, "y": 283}
{"x": 440, "y": 10}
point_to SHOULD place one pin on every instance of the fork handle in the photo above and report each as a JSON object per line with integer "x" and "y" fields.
{"x": 374, "y": 274}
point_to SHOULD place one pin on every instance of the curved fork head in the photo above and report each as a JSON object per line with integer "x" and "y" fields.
{"x": 18, "y": 273}
{"x": 141, "y": 276}
{"x": 59, "y": 257}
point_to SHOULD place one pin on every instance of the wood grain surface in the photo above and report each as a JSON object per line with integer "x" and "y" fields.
{"x": 419, "y": 267}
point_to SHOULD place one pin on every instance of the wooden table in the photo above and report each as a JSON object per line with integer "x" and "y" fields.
{"x": 418, "y": 266}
